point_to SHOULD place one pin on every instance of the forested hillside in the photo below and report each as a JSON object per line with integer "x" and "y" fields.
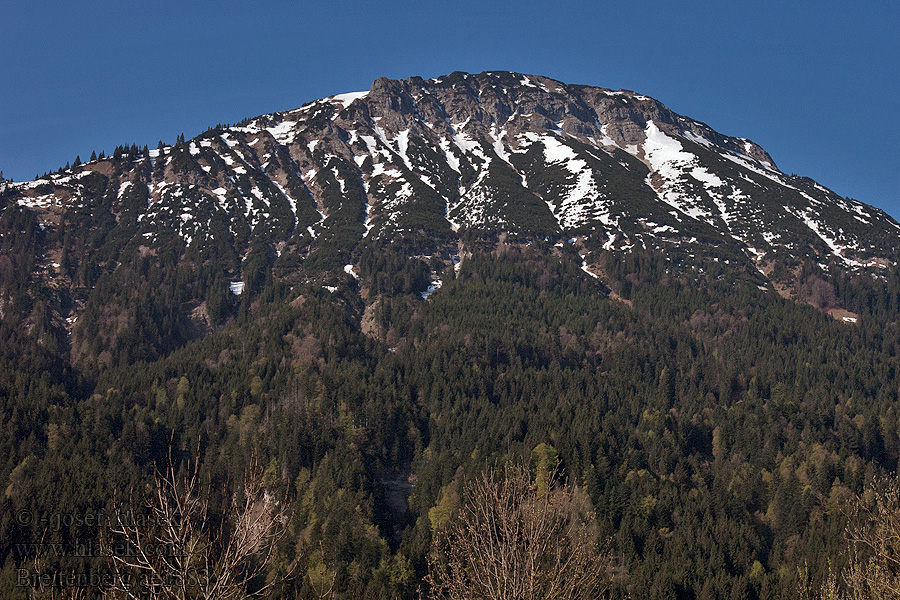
{"x": 707, "y": 348}
{"x": 716, "y": 427}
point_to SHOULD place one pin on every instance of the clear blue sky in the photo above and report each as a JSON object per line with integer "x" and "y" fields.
{"x": 817, "y": 84}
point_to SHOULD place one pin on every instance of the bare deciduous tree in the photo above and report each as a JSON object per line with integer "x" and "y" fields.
{"x": 173, "y": 550}
{"x": 873, "y": 551}
{"x": 514, "y": 541}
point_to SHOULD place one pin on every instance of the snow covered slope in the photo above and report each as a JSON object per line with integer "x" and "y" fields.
{"x": 495, "y": 152}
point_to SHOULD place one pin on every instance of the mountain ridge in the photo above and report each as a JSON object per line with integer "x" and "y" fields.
{"x": 428, "y": 160}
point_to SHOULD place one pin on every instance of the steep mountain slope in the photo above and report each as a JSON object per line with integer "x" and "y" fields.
{"x": 496, "y": 151}
{"x": 377, "y": 294}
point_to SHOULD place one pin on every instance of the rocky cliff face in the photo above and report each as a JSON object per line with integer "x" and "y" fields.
{"x": 424, "y": 161}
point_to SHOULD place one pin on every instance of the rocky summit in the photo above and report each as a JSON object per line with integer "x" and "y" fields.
{"x": 423, "y": 162}
{"x": 495, "y": 151}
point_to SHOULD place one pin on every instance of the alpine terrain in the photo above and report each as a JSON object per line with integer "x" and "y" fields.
{"x": 380, "y": 294}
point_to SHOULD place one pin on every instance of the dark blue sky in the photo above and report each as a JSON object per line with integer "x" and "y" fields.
{"x": 817, "y": 84}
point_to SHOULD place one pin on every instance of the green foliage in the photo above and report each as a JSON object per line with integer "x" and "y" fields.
{"x": 715, "y": 426}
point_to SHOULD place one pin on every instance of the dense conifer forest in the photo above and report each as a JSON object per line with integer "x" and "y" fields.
{"x": 717, "y": 428}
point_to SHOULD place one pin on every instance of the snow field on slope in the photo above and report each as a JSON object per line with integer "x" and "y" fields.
{"x": 668, "y": 159}
{"x": 583, "y": 200}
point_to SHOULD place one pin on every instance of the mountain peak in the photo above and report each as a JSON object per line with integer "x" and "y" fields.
{"x": 498, "y": 151}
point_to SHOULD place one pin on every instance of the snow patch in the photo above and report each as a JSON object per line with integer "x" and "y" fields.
{"x": 671, "y": 163}
{"x": 283, "y": 132}
{"x": 582, "y": 201}
{"x": 697, "y": 139}
{"x": 584, "y": 267}
{"x": 452, "y": 160}
{"x": 290, "y": 199}
{"x": 836, "y": 248}
{"x": 432, "y": 288}
{"x": 347, "y": 99}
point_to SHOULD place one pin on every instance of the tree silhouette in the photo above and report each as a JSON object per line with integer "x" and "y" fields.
{"x": 172, "y": 548}
{"x": 516, "y": 541}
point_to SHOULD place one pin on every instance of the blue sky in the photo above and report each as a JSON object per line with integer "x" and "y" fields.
{"x": 817, "y": 84}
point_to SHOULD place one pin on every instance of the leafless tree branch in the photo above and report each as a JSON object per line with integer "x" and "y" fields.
{"x": 170, "y": 549}
{"x": 513, "y": 542}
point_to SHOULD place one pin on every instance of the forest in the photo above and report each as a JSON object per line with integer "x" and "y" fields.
{"x": 718, "y": 431}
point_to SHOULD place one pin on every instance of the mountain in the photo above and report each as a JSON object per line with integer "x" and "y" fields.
{"x": 426, "y": 159}
{"x": 378, "y": 294}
